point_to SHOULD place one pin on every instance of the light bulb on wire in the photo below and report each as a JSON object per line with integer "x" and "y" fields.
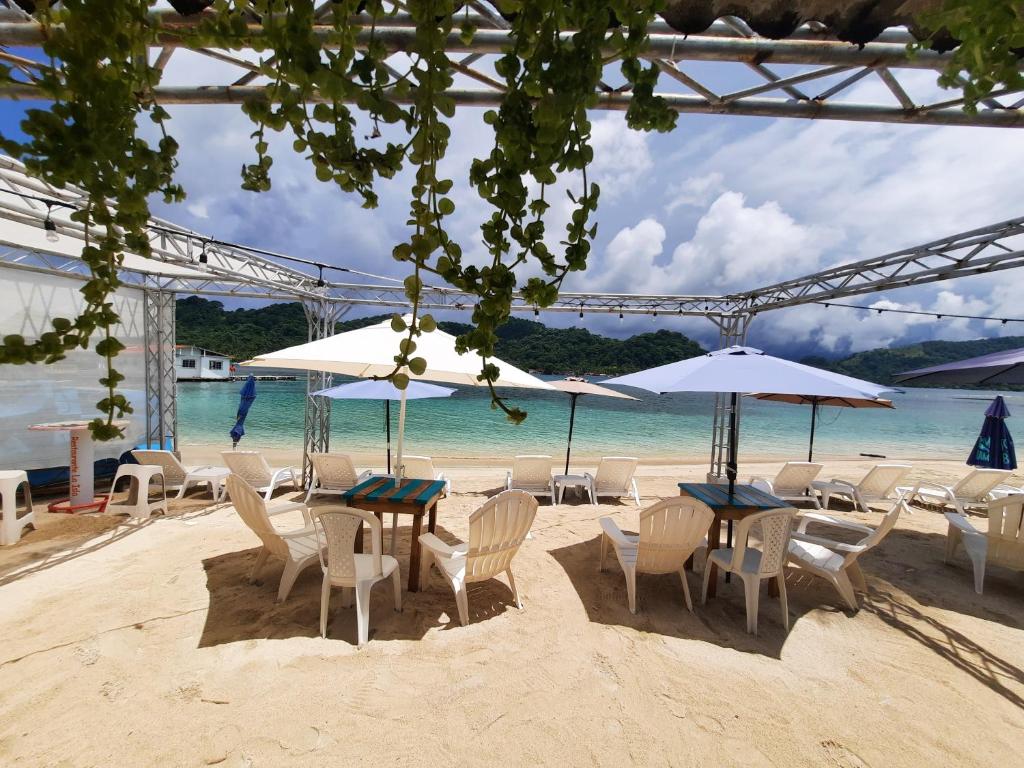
{"x": 51, "y": 227}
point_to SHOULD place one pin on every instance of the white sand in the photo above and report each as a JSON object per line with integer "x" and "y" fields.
{"x": 142, "y": 644}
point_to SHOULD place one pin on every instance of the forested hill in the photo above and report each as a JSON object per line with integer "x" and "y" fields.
{"x": 246, "y": 333}
{"x": 880, "y": 365}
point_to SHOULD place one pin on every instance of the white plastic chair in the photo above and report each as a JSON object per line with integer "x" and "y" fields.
{"x": 792, "y": 483}
{"x": 422, "y": 468}
{"x": 973, "y": 490}
{"x": 177, "y": 475}
{"x": 670, "y": 531}
{"x": 836, "y": 561}
{"x": 333, "y": 474}
{"x": 298, "y": 548}
{"x": 253, "y": 469}
{"x": 533, "y": 475}
{"x": 1002, "y": 545}
{"x": 348, "y": 570}
{"x": 878, "y": 485}
{"x": 10, "y": 523}
{"x": 496, "y": 531}
{"x": 614, "y": 477}
{"x": 753, "y": 565}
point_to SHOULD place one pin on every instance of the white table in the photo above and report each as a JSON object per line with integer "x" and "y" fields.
{"x": 82, "y": 484}
{"x": 565, "y": 481}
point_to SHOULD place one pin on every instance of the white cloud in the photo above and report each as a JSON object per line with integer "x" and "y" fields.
{"x": 621, "y": 156}
{"x": 696, "y": 191}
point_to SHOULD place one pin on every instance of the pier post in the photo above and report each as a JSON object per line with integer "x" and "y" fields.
{"x": 321, "y": 316}
{"x": 161, "y": 388}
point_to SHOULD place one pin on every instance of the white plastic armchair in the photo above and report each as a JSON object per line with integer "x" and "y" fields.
{"x": 531, "y": 474}
{"x": 298, "y": 549}
{"x": 973, "y": 490}
{"x": 792, "y": 483}
{"x": 753, "y": 565}
{"x": 670, "y": 531}
{"x": 422, "y": 468}
{"x": 614, "y": 477}
{"x": 176, "y": 475}
{"x": 496, "y": 531}
{"x": 253, "y": 469}
{"x": 333, "y": 474}
{"x": 836, "y": 561}
{"x": 1003, "y": 545}
{"x": 350, "y": 571}
{"x": 878, "y": 485}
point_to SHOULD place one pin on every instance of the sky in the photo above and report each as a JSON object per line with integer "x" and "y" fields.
{"x": 720, "y": 204}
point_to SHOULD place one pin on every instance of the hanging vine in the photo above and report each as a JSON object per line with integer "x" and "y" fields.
{"x": 326, "y": 69}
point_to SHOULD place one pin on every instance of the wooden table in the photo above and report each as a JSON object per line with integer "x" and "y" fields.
{"x": 745, "y": 500}
{"x": 382, "y": 495}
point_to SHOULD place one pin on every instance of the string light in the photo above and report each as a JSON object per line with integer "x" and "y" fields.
{"x": 536, "y": 312}
{"x": 203, "y": 258}
{"x": 922, "y": 313}
{"x": 581, "y": 310}
{"x": 320, "y": 276}
{"x": 620, "y": 313}
{"x": 50, "y": 226}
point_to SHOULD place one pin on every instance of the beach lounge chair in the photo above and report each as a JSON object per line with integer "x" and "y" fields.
{"x": 533, "y": 475}
{"x": 670, "y": 531}
{"x": 974, "y": 490}
{"x": 422, "y": 468}
{"x": 297, "y": 548}
{"x": 496, "y": 531}
{"x": 753, "y": 565}
{"x": 1002, "y": 545}
{"x": 333, "y": 474}
{"x": 792, "y": 483}
{"x": 835, "y": 561}
{"x": 176, "y": 475}
{"x": 877, "y": 486}
{"x": 348, "y": 570}
{"x": 614, "y": 477}
{"x": 253, "y": 469}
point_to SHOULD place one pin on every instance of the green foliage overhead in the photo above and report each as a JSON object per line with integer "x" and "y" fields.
{"x": 246, "y": 333}
{"x": 881, "y": 365}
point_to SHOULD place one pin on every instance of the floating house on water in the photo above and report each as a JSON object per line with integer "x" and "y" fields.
{"x": 198, "y": 364}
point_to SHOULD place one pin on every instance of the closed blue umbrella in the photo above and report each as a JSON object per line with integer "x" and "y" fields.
{"x": 246, "y": 397}
{"x": 994, "y": 447}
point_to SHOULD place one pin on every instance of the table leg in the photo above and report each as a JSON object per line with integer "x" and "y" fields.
{"x": 359, "y": 540}
{"x": 728, "y": 543}
{"x": 432, "y": 519}
{"x": 414, "y": 553}
{"x": 714, "y": 542}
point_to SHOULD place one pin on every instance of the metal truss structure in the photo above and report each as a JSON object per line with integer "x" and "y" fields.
{"x": 810, "y": 74}
{"x": 321, "y": 316}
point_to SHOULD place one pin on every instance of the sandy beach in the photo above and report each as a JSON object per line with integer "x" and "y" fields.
{"x": 142, "y": 644}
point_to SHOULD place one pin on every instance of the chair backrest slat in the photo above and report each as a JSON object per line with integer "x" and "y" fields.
{"x": 1006, "y": 531}
{"x": 250, "y": 466}
{"x": 531, "y": 471}
{"x": 253, "y": 510}
{"x": 334, "y": 471}
{"x": 882, "y": 479}
{"x": 174, "y": 472}
{"x": 978, "y": 483}
{"x": 496, "y": 531}
{"x": 670, "y": 530}
{"x": 339, "y": 528}
{"x": 775, "y": 525}
{"x": 614, "y": 473}
{"x": 418, "y": 467}
{"x": 795, "y": 476}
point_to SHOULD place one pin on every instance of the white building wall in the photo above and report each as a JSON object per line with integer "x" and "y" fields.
{"x": 69, "y": 389}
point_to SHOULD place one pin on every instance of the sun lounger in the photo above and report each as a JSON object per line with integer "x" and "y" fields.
{"x": 176, "y": 475}
{"x": 792, "y": 483}
{"x": 614, "y": 477}
{"x": 333, "y": 474}
{"x": 422, "y": 468}
{"x": 877, "y": 486}
{"x": 251, "y": 467}
{"x": 975, "y": 489}
{"x": 533, "y": 475}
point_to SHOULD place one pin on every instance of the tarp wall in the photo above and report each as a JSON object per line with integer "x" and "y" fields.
{"x": 34, "y": 394}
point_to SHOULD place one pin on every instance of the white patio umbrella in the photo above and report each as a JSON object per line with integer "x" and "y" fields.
{"x": 745, "y": 369}
{"x": 575, "y": 387}
{"x": 369, "y": 389}
{"x": 370, "y": 351}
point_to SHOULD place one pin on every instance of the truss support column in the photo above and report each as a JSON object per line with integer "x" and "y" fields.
{"x": 732, "y": 330}
{"x": 321, "y": 316}
{"x": 161, "y": 387}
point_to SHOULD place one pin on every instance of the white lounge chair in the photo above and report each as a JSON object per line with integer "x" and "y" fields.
{"x": 753, "y": 565}
{"x": 496, "y": 531}
{"x": 974, "y": 490}
{"x": 253, "y": 469}
{"x": 792, "y": 483}
{"x": 422, "y": 468}
{"x": 348, "y": 570}
{"x": 333, "y": 474}
{"x": 533, "y": 475}
{"x": 614, "y": 477}
{"x": 878, "y": 485}
{"x": 1002, "y": 545}
{"x": 670, "y": 531}
{"x": 297, "y": 548}
{"x": 836, "y": 561}
{"x": 177, "y": 475}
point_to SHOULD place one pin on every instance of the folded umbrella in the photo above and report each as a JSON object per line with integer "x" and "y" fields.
{"x": 246, "y": 398}
{"x": 994, "y": 446}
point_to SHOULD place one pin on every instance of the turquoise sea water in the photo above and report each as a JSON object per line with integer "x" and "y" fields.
{"x": 929, "y": 423}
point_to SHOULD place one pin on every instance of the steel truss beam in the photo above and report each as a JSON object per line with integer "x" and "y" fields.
{"x": 161, "y": 381}
{"x": 829, "y": 70}
{"x": 321, "y": 317}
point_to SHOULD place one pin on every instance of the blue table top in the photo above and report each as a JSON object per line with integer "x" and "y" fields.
{"x": 744, "y": 496}
{"x": 412, "y": 491}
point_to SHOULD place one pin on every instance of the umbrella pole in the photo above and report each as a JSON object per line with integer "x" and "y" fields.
{"x": 387, "y": 429}
{"x": 731, "y": 468}
{"x": 399, "y": 471}
{"x": 814, "y": 418}
{"x": 572, "y": 419}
